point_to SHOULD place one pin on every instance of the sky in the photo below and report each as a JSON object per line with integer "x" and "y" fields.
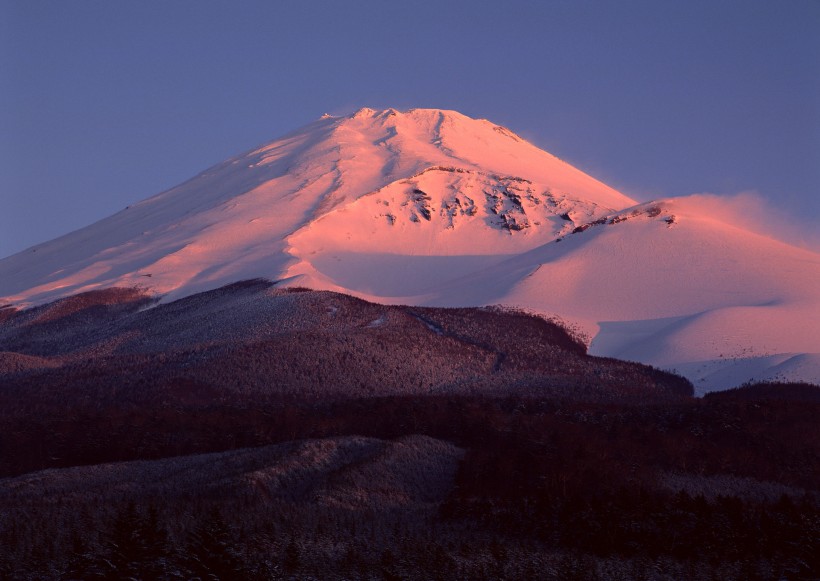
{"x": 103, "y": 103}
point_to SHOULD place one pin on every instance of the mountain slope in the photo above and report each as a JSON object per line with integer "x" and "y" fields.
{"x": 664, "y": 284}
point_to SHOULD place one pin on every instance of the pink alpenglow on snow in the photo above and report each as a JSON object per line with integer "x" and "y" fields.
{"x": 432, "y": 207}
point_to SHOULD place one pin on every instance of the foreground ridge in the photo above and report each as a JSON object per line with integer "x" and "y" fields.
{"x": 253, "y": 431}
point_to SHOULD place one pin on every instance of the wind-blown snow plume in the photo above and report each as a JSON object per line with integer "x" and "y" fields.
{"x": 751, "y": 211}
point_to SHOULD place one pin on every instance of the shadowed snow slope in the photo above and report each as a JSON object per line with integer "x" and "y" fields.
{"x": 431, "y": 207}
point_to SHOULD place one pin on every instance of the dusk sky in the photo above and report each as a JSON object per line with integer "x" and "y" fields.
{"x": 103, "y": 103}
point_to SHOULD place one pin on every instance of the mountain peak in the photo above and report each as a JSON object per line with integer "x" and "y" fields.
{"x": 431, "y": 119}
{"x": 363, "y": 113}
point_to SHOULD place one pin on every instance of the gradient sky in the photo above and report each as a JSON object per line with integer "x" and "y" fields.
{"x": 105, "y": 103}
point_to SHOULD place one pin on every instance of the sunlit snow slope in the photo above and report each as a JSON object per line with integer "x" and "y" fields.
{"x": 432, "y": 207}
{"x": 666, "y": 284}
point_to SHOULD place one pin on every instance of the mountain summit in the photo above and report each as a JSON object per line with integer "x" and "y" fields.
{"x": 432, "y": 207}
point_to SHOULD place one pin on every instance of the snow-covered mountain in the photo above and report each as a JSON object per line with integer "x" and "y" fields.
{"x": 432, "y": 207}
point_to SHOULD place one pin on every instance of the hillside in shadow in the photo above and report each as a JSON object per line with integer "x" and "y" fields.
{"x": 107, "y": 376}
{"x": 258, "y": 433}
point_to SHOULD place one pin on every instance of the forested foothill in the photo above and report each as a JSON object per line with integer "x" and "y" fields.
{"x": 256, "y": 432}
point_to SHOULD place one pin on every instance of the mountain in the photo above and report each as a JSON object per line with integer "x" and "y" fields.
{"x": 430, "y": 207}
{"x": 238, "y": 220}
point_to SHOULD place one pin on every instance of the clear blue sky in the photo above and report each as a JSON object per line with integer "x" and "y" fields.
{"x": 105, "y": 103}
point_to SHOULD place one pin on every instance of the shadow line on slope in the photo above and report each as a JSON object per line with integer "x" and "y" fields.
{"x": 397, "y": 275}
